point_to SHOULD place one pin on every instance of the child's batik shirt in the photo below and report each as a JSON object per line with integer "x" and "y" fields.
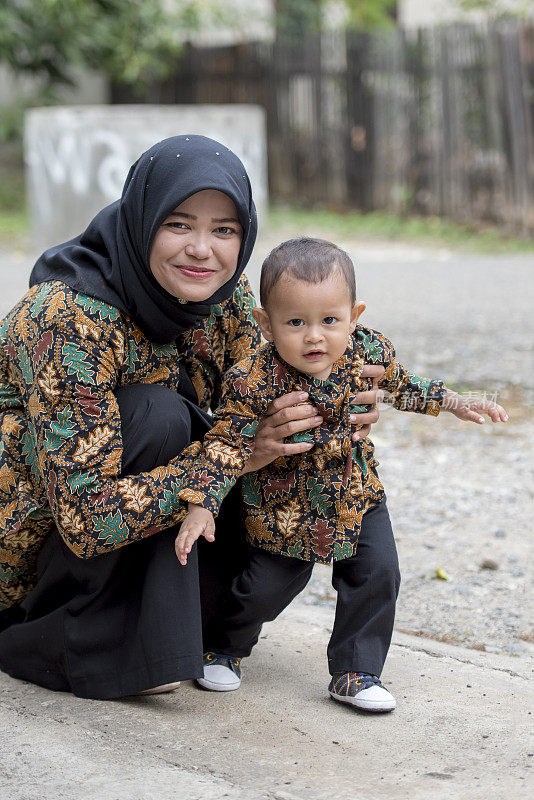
{"x": 307, "y": 506}
{"x": 63, "y": 355}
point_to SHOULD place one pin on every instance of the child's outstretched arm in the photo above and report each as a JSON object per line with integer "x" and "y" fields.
{"x": 216, "y": 464}
{"x": 471, "y": 408}
{"x": 198, "y": 522}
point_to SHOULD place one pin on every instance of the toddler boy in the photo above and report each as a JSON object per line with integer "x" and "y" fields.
{"x": 323, "y": 505}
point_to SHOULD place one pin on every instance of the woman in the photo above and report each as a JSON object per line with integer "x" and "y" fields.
{"x": 108, "y": 367}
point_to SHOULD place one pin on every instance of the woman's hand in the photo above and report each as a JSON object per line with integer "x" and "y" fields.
{"x": 284, "y": 417}
{"x": 291, "y": 414}
{"x": 471, "y": 409}
{"x": 365, "y": 419}
{"x": 198, "y": 522}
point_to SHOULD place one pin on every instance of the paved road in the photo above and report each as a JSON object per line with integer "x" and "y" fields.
{"x": 467, "y": 319}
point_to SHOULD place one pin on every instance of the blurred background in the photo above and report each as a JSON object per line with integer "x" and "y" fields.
{"x": 401, "y": 130}
{"x": 411, "y": 107}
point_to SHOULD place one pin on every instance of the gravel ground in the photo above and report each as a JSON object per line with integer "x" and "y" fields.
{"x": 460, "y": 495}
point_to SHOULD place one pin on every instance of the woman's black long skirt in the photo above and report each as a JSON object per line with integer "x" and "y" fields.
{"x": 132, "y": 619}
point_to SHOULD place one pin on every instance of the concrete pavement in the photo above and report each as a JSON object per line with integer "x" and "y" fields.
{"x": 460, "y": 730}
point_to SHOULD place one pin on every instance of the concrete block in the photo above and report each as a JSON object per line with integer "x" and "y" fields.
{"x": 77, "y": 157}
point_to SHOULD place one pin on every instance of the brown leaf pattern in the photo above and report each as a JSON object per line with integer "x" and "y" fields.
{"x": 62, "y": 357}
{"x": 308, "y": 506}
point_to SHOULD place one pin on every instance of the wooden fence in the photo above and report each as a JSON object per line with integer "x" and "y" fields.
{"x": 439, "y": 121}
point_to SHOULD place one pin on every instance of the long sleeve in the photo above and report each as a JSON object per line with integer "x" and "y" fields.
{"x": 410, "y": 392}
{"x": 244, "y": 337}
{"x": 68, "y": 365}
{"x": 217, "y": 464}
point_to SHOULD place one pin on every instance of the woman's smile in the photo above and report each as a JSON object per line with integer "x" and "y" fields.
{"x": 197, "y": 273}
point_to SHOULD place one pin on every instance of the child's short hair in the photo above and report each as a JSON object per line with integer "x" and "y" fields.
{"x": 310, "y": 260}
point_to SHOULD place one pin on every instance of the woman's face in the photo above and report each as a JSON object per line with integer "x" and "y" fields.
{"x": 195, "y": 251}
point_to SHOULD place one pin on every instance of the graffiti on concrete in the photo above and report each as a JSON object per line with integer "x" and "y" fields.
{"x": 83, "y": 162}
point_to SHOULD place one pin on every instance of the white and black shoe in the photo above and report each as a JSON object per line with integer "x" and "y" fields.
{"x": 361, "y": 690}
{"x": 222, "y": 673}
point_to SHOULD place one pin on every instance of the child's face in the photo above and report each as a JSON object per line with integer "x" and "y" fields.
{"x": 310, "y": 323}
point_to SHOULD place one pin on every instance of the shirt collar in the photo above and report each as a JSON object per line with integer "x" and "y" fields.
{"x": 334, "y": 388}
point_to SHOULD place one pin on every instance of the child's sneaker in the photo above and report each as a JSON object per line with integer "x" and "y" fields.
{"x": 221, "y": 673}
{"x": 361, "y": 690}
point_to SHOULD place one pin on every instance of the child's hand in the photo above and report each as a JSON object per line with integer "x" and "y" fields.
{"x": 368, "y": 401}
{"x": 199, "y": 522}
{"x": 471, "y": 408}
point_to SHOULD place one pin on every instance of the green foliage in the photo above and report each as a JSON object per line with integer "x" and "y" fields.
{"x": 498, "y": 9}
{"x": 13, "y": 227}
{"x": 11, "y": 188}
{"x": 136, "y": 41}
{"x": 131, "y": 40}
{"x": 12, "y": 119}
{"x": 368, "y": 14}
{"x": 295, "y": 16}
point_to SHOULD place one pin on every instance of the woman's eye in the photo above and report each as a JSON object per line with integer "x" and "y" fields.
{"x": 295, "y": 323}
{"x": 178, "y": 225}
{"x": 225, "y": 230}
{"x": 329, "y": 320}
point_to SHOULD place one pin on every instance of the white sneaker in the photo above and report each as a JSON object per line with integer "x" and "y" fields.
{"x": 221, "y": 673}
{"x": 361, "y": 690}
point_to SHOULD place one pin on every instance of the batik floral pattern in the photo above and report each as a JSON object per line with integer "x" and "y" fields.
{"x": 308, "y": 506}
{"x": 62, "y": 357}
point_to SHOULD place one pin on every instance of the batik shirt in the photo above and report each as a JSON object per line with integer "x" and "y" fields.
{"x": 62, "y": 357}
{"x": 307, "y": 506}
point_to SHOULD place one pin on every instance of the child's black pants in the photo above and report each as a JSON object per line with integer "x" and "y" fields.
{"x": 367, "y": 586}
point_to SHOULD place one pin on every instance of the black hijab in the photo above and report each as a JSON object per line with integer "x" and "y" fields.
{"x": 110, "y": 260}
